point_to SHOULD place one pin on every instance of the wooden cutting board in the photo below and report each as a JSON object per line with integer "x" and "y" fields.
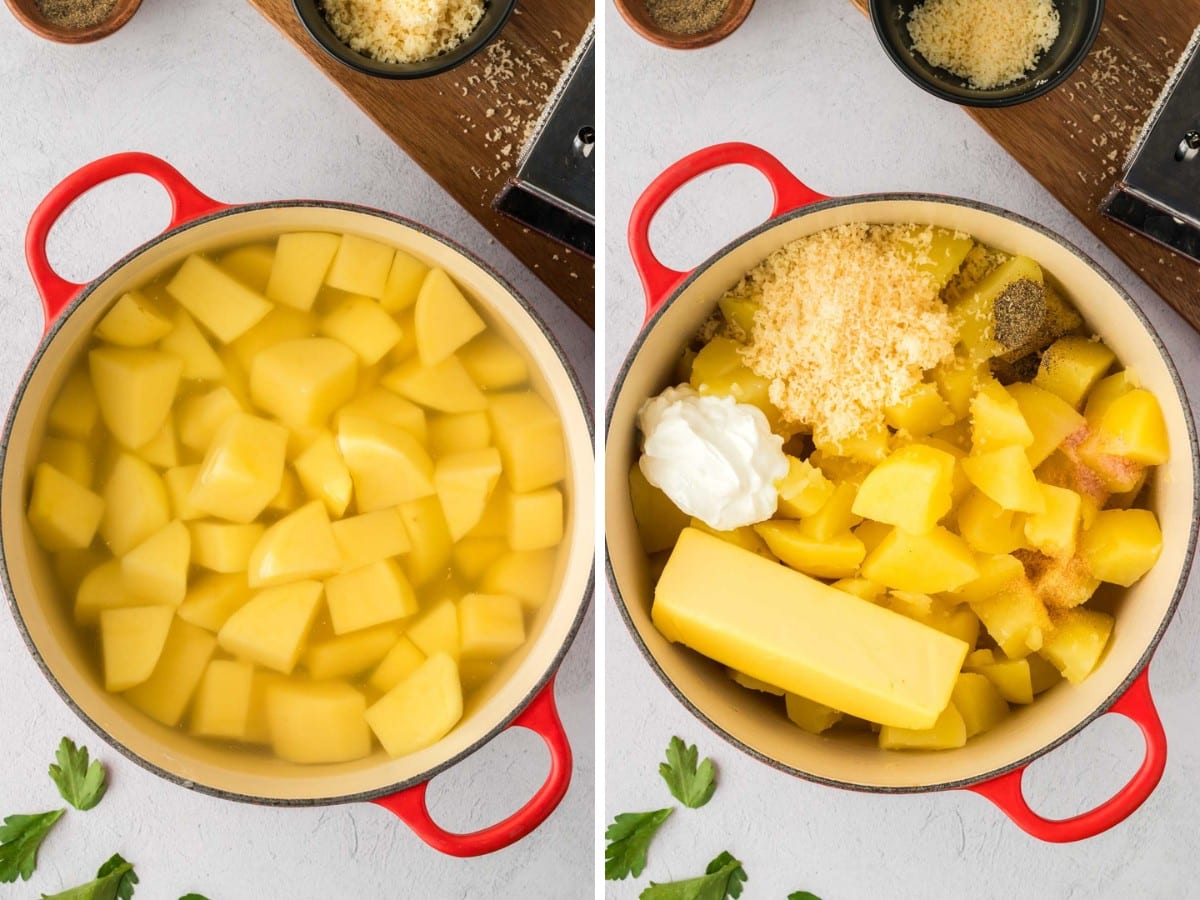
{"x": 466, "y": 127}
{"x": 1075, "y": 139}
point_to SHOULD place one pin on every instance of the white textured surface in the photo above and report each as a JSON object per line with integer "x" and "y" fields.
{"x": 808, "y": 82}
{"x": 217, "y": 91}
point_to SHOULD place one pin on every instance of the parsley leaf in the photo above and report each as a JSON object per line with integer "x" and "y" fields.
{"x": 193, "y": 897}
{"x": 691, "y": 786}
{"x": 20, "y": 838}
{"x": 723, "y": 878}
{"x": 81, "y": 783}
{"x": 127, "y": 878}
{"x": 803, "y": 895}
{"x": 628, "y": 837}
{"x": 114, "y": 881}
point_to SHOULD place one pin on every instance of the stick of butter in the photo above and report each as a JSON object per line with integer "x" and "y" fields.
{"x": 792, "y": 631}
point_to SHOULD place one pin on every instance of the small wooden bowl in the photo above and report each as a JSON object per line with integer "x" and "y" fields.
{"x": 27, "y": 13}
{"x": 634, "y": 12}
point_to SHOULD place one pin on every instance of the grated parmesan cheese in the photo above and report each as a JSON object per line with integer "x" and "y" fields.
{"x": 402, "y": 31}
{"x": 846, "y": 323}
{"x": 990, "y": 43}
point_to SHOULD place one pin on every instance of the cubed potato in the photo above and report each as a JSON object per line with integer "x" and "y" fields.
{"x": 494, "y": 522}
{"x": 1010, "y": 677}
{"x": 382, "y": 405}
{"x": 813, "y": 717}
{"x": 444, "y": 318}
{"x": 1108, "y": 389}
{"x": 988, "y": 527}
{"x": 1015, "y": 617}
{"x": 437, "y": 631}
{"x": 133, "y": 321}
{"x": 349, "y": 654}
{"x": 960, "y": 621}
{"x": 302, "y": 382}
{"x": 978, "y": 658}
{"x": 1042, "y": 674}
{"x": 302, "y": 259}
{"x": 464, "y": 484}
{"x": 910, "y": 489}
{"x": 871, "y": 448}
{"x": 165, "y": 695}
{"x": 802, "y": 491}
{"x": 63, "y": 513}
{"x": 1077, "y": 641}
{"x": 909, "y": 604}
{"x": 134, "y": 390}
{"x": 1072, "y": 366}
{"x": 370, "y": 538}
{"x": 72, "y": 566}
{"x": 401, "y": 661}
{"x": 102, "y": 588}
{"x": 1115, "y": 473}
{"x": 861, "y": 588}
{"x": 871, "y": 533}
{"x": 250, "y": 264}
{"x": 218, "y": 300}
{"x": 718, "y": 369}
{"x": 429, "y": 535}
{"x": 1053, "y": 532}
{"x": 323, "y": 722}
{"x": 289, "y": 496}
{"x": 1133, "y": 428}
{"x": 1122, "y": 545}
{"x": 258, "y": 727}
{"x": 188, "y": 344}
{"x": 213, "y": 598}
{"x": 921, "y": 563}
{"x": 979, "y": 703}
{"x": 242, "y": 470}
{"x": 738, "y": 313}
{"x": 937, "y": 252}
{"x": 920, "y": 413}
{"x": 74, "y": 412}
{"x": 224, "y": 547}
{"x": 272, "y": 627}
{"x": 535, "y": 519}
{"x": 459, "y": 433}
{"x": 162, "y": 450}
{"x": 491, "y": 626}
{"x": 360, "y": 266}
{"x": 156, "y": 570}
{"x": 529, "y": 436}
{"x": 377, "y": 593}
{"x": 298, "y": 547}
{"x": 659, "y": 521}
{"x": 836, "y": 557}
{"x": 71, "y": 458}
{"x": 1050, "y": 418}
{"x": 132, "y": 640}
{"x": 278, "y": 326}
{"x": 1007, "y": 478}
{"x": 403, "y": 282}
{"x": 202, "y": 415}
{"x": 222, "y": 705}
{"x": 948, "y": 732}
{"x": 997, "y": 420}
{"x": 472, "y": 557}
{"x": 325, "y": 476}
{"x": 493, "y": 363}
{"x": 750, "y": 683}
{"x": 996, "y": 572}
{"x": 974, "y": 314}
{"x": 444, "y": 387}
{"x": 135, "y": 504}
{"x": 957, "y": 380}
{"x": 362, "y": 325}
{"x": 836, "y": 515}
{"x": 406, "y": 349}
{"x": 527, "y": 575}
{"x": 421, "y": 709}
{"x": 389, "y": 466}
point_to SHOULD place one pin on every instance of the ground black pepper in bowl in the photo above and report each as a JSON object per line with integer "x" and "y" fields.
{"x": 686, "y": 16}
{"x": 76, "y": 14}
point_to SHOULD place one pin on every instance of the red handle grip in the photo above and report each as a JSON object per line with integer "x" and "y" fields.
{"x": 187, "y": 203}
{"x": 1135, "y": 704}
{"x": 658, "y": 281}
{"x": 540, "y": 717}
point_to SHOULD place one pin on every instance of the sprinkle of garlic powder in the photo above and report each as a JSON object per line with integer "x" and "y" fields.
{"x": 845, "y": 326}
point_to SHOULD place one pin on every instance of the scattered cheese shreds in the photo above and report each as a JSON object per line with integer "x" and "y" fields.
{"x": 845, "y": 326}
{"x": 402, "y": 31}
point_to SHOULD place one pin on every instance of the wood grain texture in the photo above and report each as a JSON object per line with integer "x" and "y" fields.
{"x": 1075, "y": 139}
{"x": 466, "y": 127}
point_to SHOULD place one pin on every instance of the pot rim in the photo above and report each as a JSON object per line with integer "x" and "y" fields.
{"x": 19, "y": 395}
{"x": 1189, "y": 554}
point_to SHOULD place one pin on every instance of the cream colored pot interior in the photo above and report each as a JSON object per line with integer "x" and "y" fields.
{"x": 757, "y": 721}
{"x": 213, "y": 767}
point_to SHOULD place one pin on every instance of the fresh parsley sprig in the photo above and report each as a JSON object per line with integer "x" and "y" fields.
{"x": 723, "y": 878}
{"x": 114, "y": 881}
{"x": 690, "y": 784}
{"x": 628, "y": 839}
{"x": 803, "y": 895}
{"x": 20, "y": 839}
{"x": 80, "y": 781}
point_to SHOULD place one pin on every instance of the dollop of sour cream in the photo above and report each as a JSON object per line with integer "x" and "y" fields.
{"x": 717, "y": 459}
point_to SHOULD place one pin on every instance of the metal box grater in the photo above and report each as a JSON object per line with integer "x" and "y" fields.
{"x": 554, "y": 190}
{"x": 1159, "y": 194}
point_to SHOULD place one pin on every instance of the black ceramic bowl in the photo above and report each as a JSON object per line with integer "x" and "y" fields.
{"x": 495, "y": 14}
{"x": 1079, "y": 24}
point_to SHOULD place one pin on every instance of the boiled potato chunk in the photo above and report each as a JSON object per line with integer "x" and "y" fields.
{"x": 135, "y": 504}
{"x": 219, "y": 301}
{"x": 948, "y": 732}
{"x": 1015, "y": 617}
{"x": 133, "y": 322}
{"x": 910, "y": 489}
{"x": 957, "y": 380}
{"x": 1007, "y": 478}
{"x": 836, "y": 516}
{"x": 384, "y": 406}
{"x": 1050, "y": 418}
{"x": 1009, "y": 676}
{"x": 1042, "y": 673}
{"x": 1133, "y": 427}
{"x": 403, "y": 282}
{"x": 64, "y": 514}
{"x": 921, "y": 563}
{"x": 738, "y": 312}
{"x": 444, "y": 386}
{"x": 1108, "y": 389}
{"x": 988, "y": 527}
{"x": 376, "y": 593}
{"x": 535, "y": 519}
{"x": 974, "y": 315}
{"x": 529, "y": 436}
{"x": 464, "y": 483}
{"x": 1072, "y": 366}
{"x": 132, "y": 640}
{"x": 322, "y": 722}
{"x": 527, "y": 575}
{"x": 299, "y": 546}
{"x": 802, "y": 492}
{"x": 719, "y": 370}
{"x": 222, "y": 547}
{"x": 996, "y": 572}
{"x": 100, "y": 589}
{"x": 429, "y": 555}
{"x": 491, "y": 626}
{"x": 349, "y": 654}
{"x": 242, "y": 470}
{"x": 996, "y": 420}
{"x": 202, "y": 415}
{"x": 135, "y": 390}
{"x": 753, "y": 684}
{"x": 75, "y": 411}
{"x": 922, "y": 412}
{"x": 978, "y": 702}
{"x": 659, "y": 521}
{"x": 213, "y": 598}
{"x": 421, "y": 709}
{"x": 937, "y": 252}
{"x": 437, "y": 631}
{"x": 362, "y": 325}
{"x": 401, "y": 661}
{"x": 360, "y": 266}
{"x": 222, "y": 705}
{"x": 272, "y": 627}
{"x": 325, "y": 476}
{"x": 250, "y": 264}
{"x": 187, "y": 343}
{"x": 302, "y": 382}
{"x": 165, "y": 695}
{"x": 459, "y": 433}
{"x": 861, "y": 587}
{"x": 370, "y": 538}
{"x": 1122, "y": 545}
{"x": 493, "y": 363}
{"x": 1077, "y": 641}
{"x": 301, "y": 260}
{"x": 837, "y": 557}
{"x": 444, "y": 318}
{"x": 276, "y": 327}
{"x": 156, "y": 570}
{"x": 813, "y": 717}
{"x": 388, "y": 465}
{"x": 1053, "y": 531}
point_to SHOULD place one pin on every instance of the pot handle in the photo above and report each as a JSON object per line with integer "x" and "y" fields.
{"x": 1135, "y": 704}
{"x": 187, "y": 203}
{"x": 658, "y": 281}
{"x": 540, "y": 717}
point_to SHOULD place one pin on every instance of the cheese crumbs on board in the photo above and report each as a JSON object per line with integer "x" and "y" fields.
{"x": 402, "y": 31}
{"x": 845, "y": 324}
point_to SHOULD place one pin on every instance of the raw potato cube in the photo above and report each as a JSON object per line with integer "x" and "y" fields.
{"x": 301, "y": 260}
{"x": 324, "y": 475}
{"x": 135, "y": 390}
{"x": 978, "y": 702}
{"x": 1007, "y": 478}
{"x": 360, "y": 266}
{"x": 444, "y": 318}
{"x": 802, "y": 492}
{"x": 437, "y": 631}
{"x": 219, "y": 301}
{"x": 659, "y": 521}
{"x": 529, "y": 436}
{"x": 202, "y": 415}
{"x": 132, "y": 640}
{"x": 69, "y": 457}
{"x": 222, "y": 705}
{"x": 1050, "y": 418}
{"x": 459, "y": 433}
{"x": 389, "y": 466}
{"x": 923, "y": 564}
{"x": 350, "y": 654}
{"x": 526, "y": 575}
{"x": 372, "y": 595}
{"x": 186, "y": 342}
{"x": 1053, "y": 532}
{"x": 213, "y": 599}
{"x": 997, "y": 421}
{"x": 100, "y": 589}
{"x": 1077, "y": 641}
{"x": 493, "y": 363}
{"x": 161, "y": 450}
{"x": 464, "y": 483}
{"x": 813, "y": 717}
{"x": 258, "y": 728}
{"x": 302, "y": 382}
{"x": 222, "y": 547}
{"x": 491, "y": 626}
{"x": 362, "y": 325}
{"x": 407, "y": 348}
{"x": 135, "y": 504}
{"x": 403, "y": 282}
{"x": 535, "y": 519}
{"x": 1072, "y": 366}
{"x": 133, "y": 322}
{"x": 910, "y": 489}
{"x": 242, "y": 470}
{"x": 922, "y": 412}
{"x": 1133, "y": 427}
{"x": 299, "y": 546}
{"x": 445, "y": 387}
{"x": 75, "y": 412}
{"x": 472, "y": 557}
{"x": 250, "y": 264}
{"x": 494, "y": 523}
{"x": 384, "y": 406}
{"x": 1122, "y": 545}
{"x": 64, "y": 514}
{"x": 474, "y": 673}
{"x": 837, "y": 557}
{"x": 948, "y": 732}
{"x": 165, "y": 695}
{"x": 156, "y": 570}
{"x": 317, "y": 723}
{"x": 1015, "y": 617}
{"x": 430, "y": 538}
{"x": 420, "y": 710}
{"x": 401, "y": 661}
{"x": 276, "y": 327}
{"x": 290, "y": 494}
{"x": 370, "y": 538}
{"x": 272, "y": 627}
